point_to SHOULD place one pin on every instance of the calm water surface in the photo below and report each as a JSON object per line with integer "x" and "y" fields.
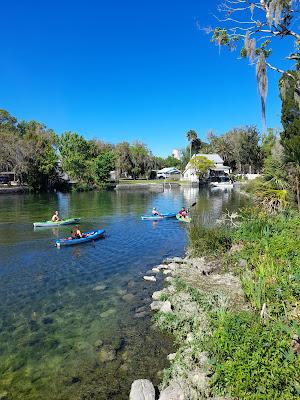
{"x": 75, "y": 322}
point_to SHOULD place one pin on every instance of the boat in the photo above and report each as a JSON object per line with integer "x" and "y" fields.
{"x": 186, "y": 219}
{"x": 91, "y": 235}
{"x": 51, "y": 224}
{"x": 225, "y": 185}
{"x": 158, "y": 217}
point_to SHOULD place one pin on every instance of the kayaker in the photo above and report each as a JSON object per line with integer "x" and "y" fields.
{"x": 55, "y": 217}
{"x": 183, "y": 212}
{"x": 76, "y": 233}
{"x": 154, "y": 211}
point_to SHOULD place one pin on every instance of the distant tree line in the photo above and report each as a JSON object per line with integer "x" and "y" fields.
{"x": 43, "y": 160}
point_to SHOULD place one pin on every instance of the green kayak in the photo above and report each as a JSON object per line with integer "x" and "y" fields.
{"x": 186, "y": 219}
{"x": 51, "y": 224}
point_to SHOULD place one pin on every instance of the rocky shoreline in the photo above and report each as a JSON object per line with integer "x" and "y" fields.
{"x": 193, "y": 288}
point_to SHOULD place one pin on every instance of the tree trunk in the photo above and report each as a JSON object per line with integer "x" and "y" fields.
{"x": 190, "y": 150}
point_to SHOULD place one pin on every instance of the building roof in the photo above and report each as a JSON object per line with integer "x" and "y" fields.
{"x": 213, "y": 157}
{"x": 168, "y": 170}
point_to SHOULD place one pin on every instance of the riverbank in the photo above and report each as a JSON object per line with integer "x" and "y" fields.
{"x": 234, "y": 313}
{"x": 14, "y": 190}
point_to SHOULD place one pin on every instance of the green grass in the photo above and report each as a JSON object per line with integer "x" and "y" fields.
{"x": 250, "y": 357}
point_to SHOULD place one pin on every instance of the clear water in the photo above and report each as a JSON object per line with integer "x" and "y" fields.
{"x": 59, "y": 308}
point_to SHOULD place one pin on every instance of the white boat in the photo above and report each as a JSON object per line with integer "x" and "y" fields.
{"x": 225, "y": 185}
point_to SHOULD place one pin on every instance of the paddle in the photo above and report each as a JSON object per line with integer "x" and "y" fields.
{"x": 192, "y": 205}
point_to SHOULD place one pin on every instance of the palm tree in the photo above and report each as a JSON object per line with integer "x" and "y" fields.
{"x": 191, "y": 136}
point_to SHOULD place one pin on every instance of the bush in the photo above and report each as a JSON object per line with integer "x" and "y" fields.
{"x": 253, "y": 361}
{"x": 209, "y": 240}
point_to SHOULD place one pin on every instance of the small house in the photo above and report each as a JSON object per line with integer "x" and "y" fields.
{"x": 219, "y": 170}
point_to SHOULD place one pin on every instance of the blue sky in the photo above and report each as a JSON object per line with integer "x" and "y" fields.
{"x": 126, "y": 70}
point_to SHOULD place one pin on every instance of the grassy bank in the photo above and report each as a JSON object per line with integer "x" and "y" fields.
{"x": 252, "y": 349}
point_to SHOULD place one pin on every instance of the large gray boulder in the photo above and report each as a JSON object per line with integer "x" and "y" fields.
{"x": 142, "y": 389}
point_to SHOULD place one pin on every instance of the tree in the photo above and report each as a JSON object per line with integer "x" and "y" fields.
{"x": 142, "y": 160}
{"x": 191, "y": 136}
{"x": 170, "y": 161}
{"x": 102, "y": 165}
{"x": 123, "y": 159}
{"x": 75, "y": 153}
{"x": 239, "y": 148}
{"x": 269, "y": 140}
{"x": 28, "y": 150}
{"x": 201, "y": 165}
{"x": 7, "y": 121}
{"x": 185, "y": 157}
{"x": 290, "y": 137}
{"x": 254, "y": 25}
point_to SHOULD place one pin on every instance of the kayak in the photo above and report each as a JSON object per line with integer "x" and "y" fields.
{"x": 67, "y": 221}
{"x": 91, "y": 235}
{"x": 187, "y": 219}
{"x": 158, "y": 217}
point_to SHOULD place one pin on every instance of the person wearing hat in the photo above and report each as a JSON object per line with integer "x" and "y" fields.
{"x": 154, "y": 211}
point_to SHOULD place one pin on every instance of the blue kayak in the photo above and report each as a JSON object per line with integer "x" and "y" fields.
{"x": 89, "y": 236}
{"x": 158, "y": 217}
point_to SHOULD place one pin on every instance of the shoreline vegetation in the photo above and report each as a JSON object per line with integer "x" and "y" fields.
{"x": 232, "y": 306}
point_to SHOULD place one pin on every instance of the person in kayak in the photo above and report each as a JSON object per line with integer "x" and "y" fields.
{"x": 56, "y": 217}
{"x": 76, "y": 233}
{"x": 155, "y": 212}
{"x": 183, "y": 213}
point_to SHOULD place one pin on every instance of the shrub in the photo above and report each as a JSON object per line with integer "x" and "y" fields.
{"x": 209, "y": 240}
{"x": 253, "y": 361}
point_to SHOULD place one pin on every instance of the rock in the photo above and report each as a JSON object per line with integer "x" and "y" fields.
{"x": 141, "y": 309}
{"x": 108, "y": 313}
{"x": 98, "y": 344}
{"x": 167, "y": 271}
{"x": 162, "y": 306}
{"x": 128, "y": 297}
{"x": 177, "y": 260}
{"x": 166, "y": 307}
{"x": 242, "y": 263}
{"x": 172, "y": 392}
{"x": 99, "y": 287}
{"x": 157, "y": 295}
{"x": 162, "y": 266}
{"x": 121, "y": 292}
{"x": 124, "y": 367}
{"x": 142, "y": 314}
{"x": 142, "y": 389}
{"x": 155, "y": 269}
{"x": 169, "y": 279}
{"x": 171, "y": 356}
{"x": 125, "y": 355}
{"x": 202, "y": 359}
{"x": 172, "y": 266}
{"x": 200, "y": 380}
{"x": 155, "y": 305}
{"x": 107, "y": 353}
{"x": 189, "y": 337}
{"x": 149, "y": 278}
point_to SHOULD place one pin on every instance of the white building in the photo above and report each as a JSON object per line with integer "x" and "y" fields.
{"x": 219, "y": 169}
